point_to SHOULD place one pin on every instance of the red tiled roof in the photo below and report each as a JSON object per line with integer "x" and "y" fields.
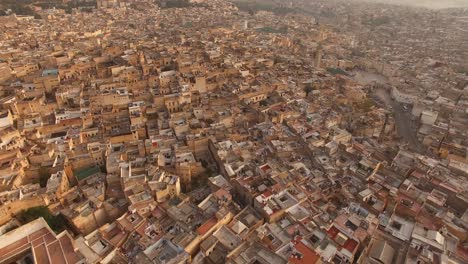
{"x": 449, "y": 187}
{"x": 415, "y": 206}
{"x": 37, "y": 242}
{"x": 291, "y": 229}
{"x": 14, "y": 248}
{"x": 221, "y": 193}
{"x": 203, "y": 229}
{"x": 49, "y": 238}
{"x": 417, "y": 174}
{"x": 435, "y": 181}
{"x": 462, "y": 252}
{"x": 46, "y": 246}
{"x": 308, "y": 256}
{"x": 277, "y": 188}
{"x": 350, "y": 245}
{"x": 40, "y": 253}
{"x": 332, "y": 232}
{"x": 265, "y": 167}
{"x": 68, "y": 249}
{"x": 267, "y": 193}
{"x": 55, "y": 252}
{"x": 141, "y": 229}
{"x": 157, "y": 212}
{"x": 428, "y": 221}
{"x": 359, "y": 147}
{"x": 39, "y": 233}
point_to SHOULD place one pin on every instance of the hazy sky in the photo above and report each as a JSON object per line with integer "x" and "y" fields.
{"x": 426, "y": 3}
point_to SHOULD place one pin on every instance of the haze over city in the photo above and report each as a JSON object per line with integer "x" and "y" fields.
{"x": 435, "y": 4}
{"x": 233, "y": 132}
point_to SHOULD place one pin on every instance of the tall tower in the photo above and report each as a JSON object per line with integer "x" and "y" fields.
{"x": 318, "y": 56}
{"x": 141, "y": 57}
{"x": 322, "y": 34}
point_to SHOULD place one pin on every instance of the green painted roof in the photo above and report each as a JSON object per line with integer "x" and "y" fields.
{"x": 84, "y": 173}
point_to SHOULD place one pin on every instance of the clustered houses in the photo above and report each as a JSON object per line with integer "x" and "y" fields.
{"x": 180, "y": 135}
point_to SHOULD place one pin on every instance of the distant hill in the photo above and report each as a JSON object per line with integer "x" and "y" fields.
{"x": 23, "y": 7}
{"x": 278, "y": 7}
{"x": 19, "y": 7}
{"x": 435, "y": 4}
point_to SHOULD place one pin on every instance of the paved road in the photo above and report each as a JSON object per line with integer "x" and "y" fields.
{"x": 406, "y": 127}
{"x": 365, "y": 77}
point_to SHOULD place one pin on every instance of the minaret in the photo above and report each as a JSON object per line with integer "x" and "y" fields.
{"x": 322, "y": 34}
{"x": 141, "y": 57}
{"x": 318, "y": 56}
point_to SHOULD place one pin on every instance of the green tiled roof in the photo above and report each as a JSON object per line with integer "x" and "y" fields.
{"x": 85, "y": 172}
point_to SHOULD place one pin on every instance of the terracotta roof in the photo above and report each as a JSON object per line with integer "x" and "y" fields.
{"x": 203, "y": 229}
{"x": 55, "y": 252}
{"x": 14, "y": 248}
{"x": 307, "y": 255}
{"x": 41, "y": 254}
{"x": 265, "y": 167}
{"x": 332, "y": 232}
{"x": 462, "y": 252}
{"x": 267, "y": 193}
{"x": 68, "y": 249}
{"x": 428, "y": 221}
{"x": 47, "y": 247}
{"x": 350, "y": 245}
{"x": 221, "y": 193}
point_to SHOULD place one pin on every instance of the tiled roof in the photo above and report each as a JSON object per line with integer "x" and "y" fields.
{"x": 46, "y": 246}
{"x": 203, "y": 229}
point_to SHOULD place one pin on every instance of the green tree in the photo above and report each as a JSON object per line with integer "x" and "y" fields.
{"x": 56, "y": 223}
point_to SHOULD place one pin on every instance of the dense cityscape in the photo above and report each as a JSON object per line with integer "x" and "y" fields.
{"x": 242, "y": 131}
